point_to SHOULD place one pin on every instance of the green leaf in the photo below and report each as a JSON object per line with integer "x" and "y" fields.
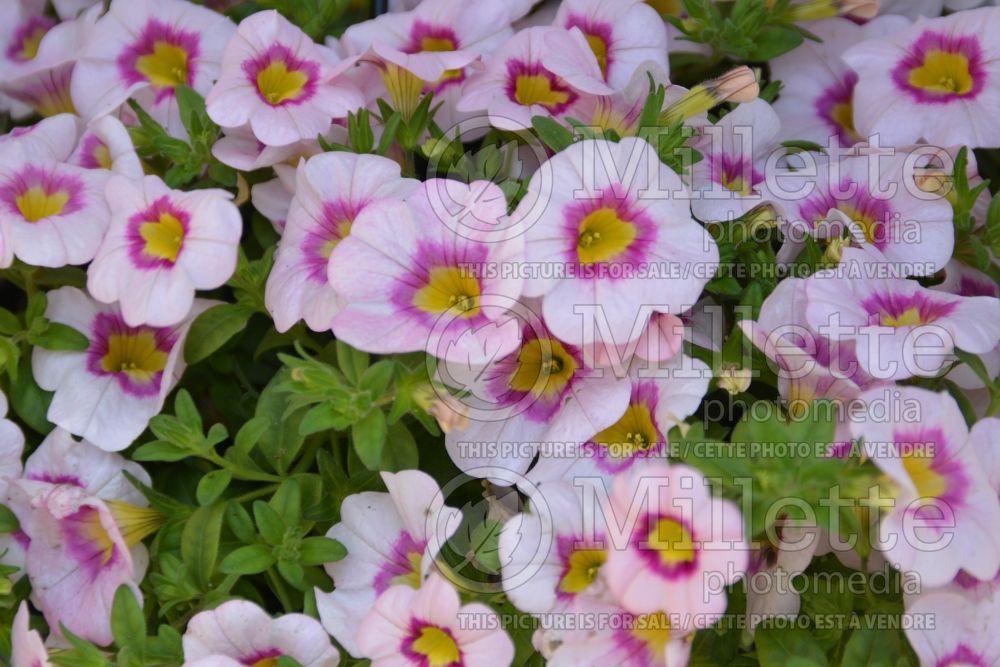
{"x": 212, "y": 485}
{"x": 240, "y": 523}
{"x": 288, "y": 661}
{"x": 186, "y": 410}
{"x": 160, "y": 450}
{"x": 251, "y": 559}
{"x": 788, "y": 647}
{"x": 29, "y": 401}
{"x": 993, "y": 225}
{"x": 200, "y": 542}
{"x": 320, "y": 550}
{"x": 83, "y": 653}
{"x": 553, "y": 134}
{"x": 287, "y": 502}
{"x": 269, "y": 523}
{"x": 390, "y": 128}
{"x": 9, "y": 323}
{"x": 213, "y": 329}
{"x": 352, "y": 362}
{"x": 400, "y": 452}
{"x": 291, "y": 572}
{"x": 323, "y": 417}
{"x": 369, "y": 438}
{"x": 8, "y": 520}
{"x": 774, "y": 41}
{"x": 376, "y": 378}
{"x": 37, "y": 304}
{"x": 128, "y": 625}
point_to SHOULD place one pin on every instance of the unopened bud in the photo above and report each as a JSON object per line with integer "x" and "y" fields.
{"x": 736, "y": 85}
{"x": 733, "y": 379}
{"x": 449, "y": 412}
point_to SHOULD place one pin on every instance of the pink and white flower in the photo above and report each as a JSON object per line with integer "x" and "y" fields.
{"x": 944, "y": 509}
{"x": 962, "y": 631}
{"x": 280, "y": 82}
{"x": 727, "y": 182}
{"x": 27, "y": 647}
{"x": 680, "y": 539}
{"x": 424, "y": 627}
{"x": 106, "y": 144}
{"x": 163, "y": 245}
{"x": 661, "y": 397}
{"x": 552, "y": 557}
{"x": 108, "y": 392}
{"x": 42, "y": 82}
{"x": 144, "y": 49}
{"x": 423, "y": 274}
{"x": 934, "y": 81}
{"x": 391, "y": 538}
{"x": 54, "y": 213}
{"x": 331, "y": 190}
{"x": 76, "y": 559}
{"x": 543, "y": 392}
{"x": 899, "y": 328}
{"x": 622, "y": 34}
{"x": 872, "y": 198}
{"x": 629, "y": 640}
{"x": 239, "y": 632}
{"x": 809, "y": 366}
{"x": 618, "y": 223}
{"x": 817, "y": 94}
{"x": 538, "y": 72}
{"x": 435, "y": 43}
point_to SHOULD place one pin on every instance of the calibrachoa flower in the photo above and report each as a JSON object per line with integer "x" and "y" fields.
{"x": 425, "y": 627}
{"x": 678, "y": 542}
{"x": 873, "y": 200}
{"x": 538, "y": 72}
{"x": 11, "y": 448}
{"x": 51, "y": 138}
{"x": 391, "y": 538}
{"x": 623, "y": 34}
{"x": 241, "y": 633}
{"x": 726, "y": 182}
{"x": 76, "y": 559}
{"x": 899, "y": 328}
{"x": 817, "y": 95}
{"x": 144, "y": 49}
{"x": 433, "y": 44}
{"x": 936, "y": 81}
{"x": 280, "y": 82}
{"x": 809, "y": 366}
{"x": 42, "y": 82}
{"x": 106, "y": 144}
{"x": 331, "y": 191}
{"x": 53, "y": 214}
{"x": 423, "y": 274}
{"x": 629, "y": 640}
{"x": 108, "y": 392}
{"x": 163, "y": 245}
{"x": 550, "y": 564}
{"x": 962, "y": 631}
{"x": 944, "y": 510}
{"x": 662, "y": 397}
{"x": 543, "y": 392}
{"x": 626, "y": 245}
{"x": 27, "y": 647}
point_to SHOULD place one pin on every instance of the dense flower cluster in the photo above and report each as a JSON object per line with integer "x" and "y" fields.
{"x": 529, "y": 352}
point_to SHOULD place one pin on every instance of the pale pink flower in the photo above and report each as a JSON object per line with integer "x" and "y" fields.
{"x": 430, "y": 626}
